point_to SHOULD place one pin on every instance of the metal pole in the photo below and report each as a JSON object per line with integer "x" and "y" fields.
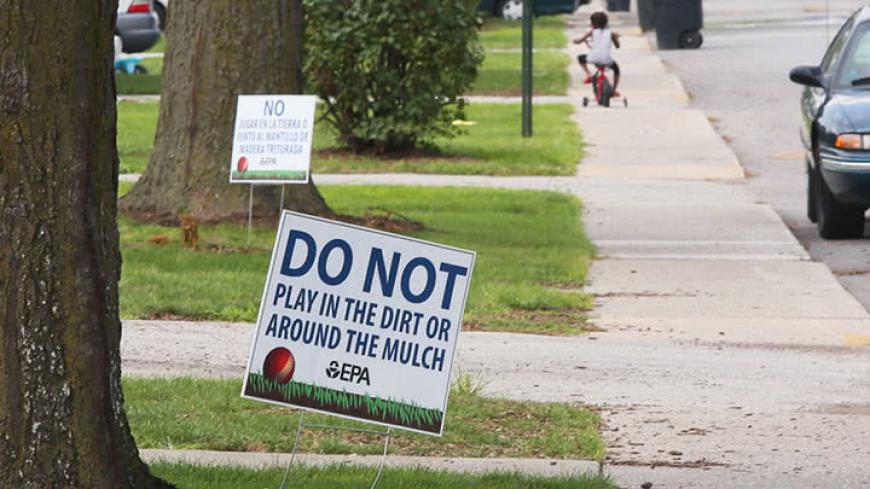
{"x": 250, "y": 213}
{"x": 281, "y": 208}
{"x": 528, "y": 22}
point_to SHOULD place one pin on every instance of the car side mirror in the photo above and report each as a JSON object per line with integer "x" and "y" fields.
{"x": 810, "y": 76}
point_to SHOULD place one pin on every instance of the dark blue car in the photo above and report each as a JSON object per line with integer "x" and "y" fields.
{"x": 836, "y": 131}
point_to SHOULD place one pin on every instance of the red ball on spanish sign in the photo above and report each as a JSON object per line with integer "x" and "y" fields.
{"x": 279, "y": 365}
{"x": 242, "y": 166}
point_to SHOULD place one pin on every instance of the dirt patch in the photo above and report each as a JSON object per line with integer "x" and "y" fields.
{"x": 422, "y": 155}
{"x": 384, "y": 220}
{"x": 846, "y": 409}
{"x": 695, "y": 464}
{"x": 547, "y": 323}
{"x": 851, "y": 273}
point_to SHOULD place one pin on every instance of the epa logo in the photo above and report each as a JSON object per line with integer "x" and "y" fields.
{"x": 332, "y": 370}
{"x": 348, "y": 372}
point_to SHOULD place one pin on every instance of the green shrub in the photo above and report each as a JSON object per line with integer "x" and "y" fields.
{"x": 391, "y": 71}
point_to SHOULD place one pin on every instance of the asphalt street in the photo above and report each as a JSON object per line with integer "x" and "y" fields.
{"x": 740, "y": 80}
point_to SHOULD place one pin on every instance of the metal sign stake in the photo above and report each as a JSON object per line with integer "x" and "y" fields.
{"x": 386, "y": 434}
{"x": 250, "y": 213}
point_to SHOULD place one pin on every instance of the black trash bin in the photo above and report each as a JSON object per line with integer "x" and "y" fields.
{"x": 618, "y": 5}
{"x": 678, "y": 23}
{"x": 645, "y": 14}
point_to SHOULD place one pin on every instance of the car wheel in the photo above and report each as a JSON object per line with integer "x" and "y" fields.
{"x": 511, "y": 9}
{"x": 811, "y": 194}
{"x": 691, "y": 40}
{"x": 160, "y": 10}
{"x": 834, "y": 220}
{"x": 140, "y": 70}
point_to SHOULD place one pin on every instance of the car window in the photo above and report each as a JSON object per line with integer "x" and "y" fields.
{"x": 856, "y": 60}
{"x": 829, "y": 63}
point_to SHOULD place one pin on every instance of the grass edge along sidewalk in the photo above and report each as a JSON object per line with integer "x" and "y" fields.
{"x": 514, "y": 289}
{"x": 186, "y": 476}
{"x": 205, "y": 414}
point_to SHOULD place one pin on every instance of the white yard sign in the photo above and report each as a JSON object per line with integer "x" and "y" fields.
{"x": 272, "y": 139}
{"x": 359, "y": 323}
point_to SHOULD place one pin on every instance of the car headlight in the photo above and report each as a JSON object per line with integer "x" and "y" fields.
{"x": 853, "y": 141}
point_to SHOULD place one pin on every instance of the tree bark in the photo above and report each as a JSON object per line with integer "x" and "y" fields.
{"x": 62, "y": 420}
{"x": 218, "y": 49}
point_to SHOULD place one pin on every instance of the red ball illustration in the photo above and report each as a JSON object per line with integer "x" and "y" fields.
{"x": 279, "y": 365}
{"x": 242, "y": 165}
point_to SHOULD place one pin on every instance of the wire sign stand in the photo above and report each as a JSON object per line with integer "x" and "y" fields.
{"x": 251, "y": 211}
{"x": 302, "y": 425}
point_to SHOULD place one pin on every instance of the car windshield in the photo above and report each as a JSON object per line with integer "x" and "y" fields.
{"x": 855, "y": 71}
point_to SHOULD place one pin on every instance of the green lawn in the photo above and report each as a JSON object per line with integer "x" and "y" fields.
{"x": 492, "y": 146}
{"x": 353, "y": 477}
{"x": 138, "y": 84}
{"x": 153, "y": 65}
{"x": 549, "y": 32}
{"x": 210, "y": 415}
{"x": 137, "y": 124}
{"x": 530, "y": 248}
{"x": 501, "y": 74}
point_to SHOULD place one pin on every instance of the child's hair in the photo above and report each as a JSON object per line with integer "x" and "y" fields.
{"x": 599, "y": 20}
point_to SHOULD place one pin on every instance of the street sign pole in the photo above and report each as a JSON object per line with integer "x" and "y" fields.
{"x": 528, "y": 18}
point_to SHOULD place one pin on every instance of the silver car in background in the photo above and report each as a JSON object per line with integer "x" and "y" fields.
{"x": 138, "y": 25}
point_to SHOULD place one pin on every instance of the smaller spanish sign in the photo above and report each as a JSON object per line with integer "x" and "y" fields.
{"x": 272, "y": 139}
{"x": 359, "y": 323}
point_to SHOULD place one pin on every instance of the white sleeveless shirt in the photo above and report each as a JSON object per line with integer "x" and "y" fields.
{"x": 602, "y": 45}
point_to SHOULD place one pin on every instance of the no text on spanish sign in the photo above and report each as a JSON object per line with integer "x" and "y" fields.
{"x": 272, "y": 139}
{"x": 359, "y": 323}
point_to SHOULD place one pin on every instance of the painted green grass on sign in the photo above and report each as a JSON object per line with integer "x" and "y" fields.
{"x": 354, "y": 477}
{"x": 492, "y": 146}
{"x": 340, "y": 402}
{"x": 292, "y": 175}
{"x": 209, "y": 414}
{"x": 501, "y": 74}
{"x": 532, "y": 256}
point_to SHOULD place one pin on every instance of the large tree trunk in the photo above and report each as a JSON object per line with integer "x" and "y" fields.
{"x": 62, "y": 420}
{"x": 217, "y": 50}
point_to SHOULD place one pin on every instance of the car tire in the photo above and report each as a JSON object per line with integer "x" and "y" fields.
{"x": 510, "y": 9}
{"x": 834, "y": 220}
{"x": 160, "y": 10}
{"x": 812, "y": 211}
